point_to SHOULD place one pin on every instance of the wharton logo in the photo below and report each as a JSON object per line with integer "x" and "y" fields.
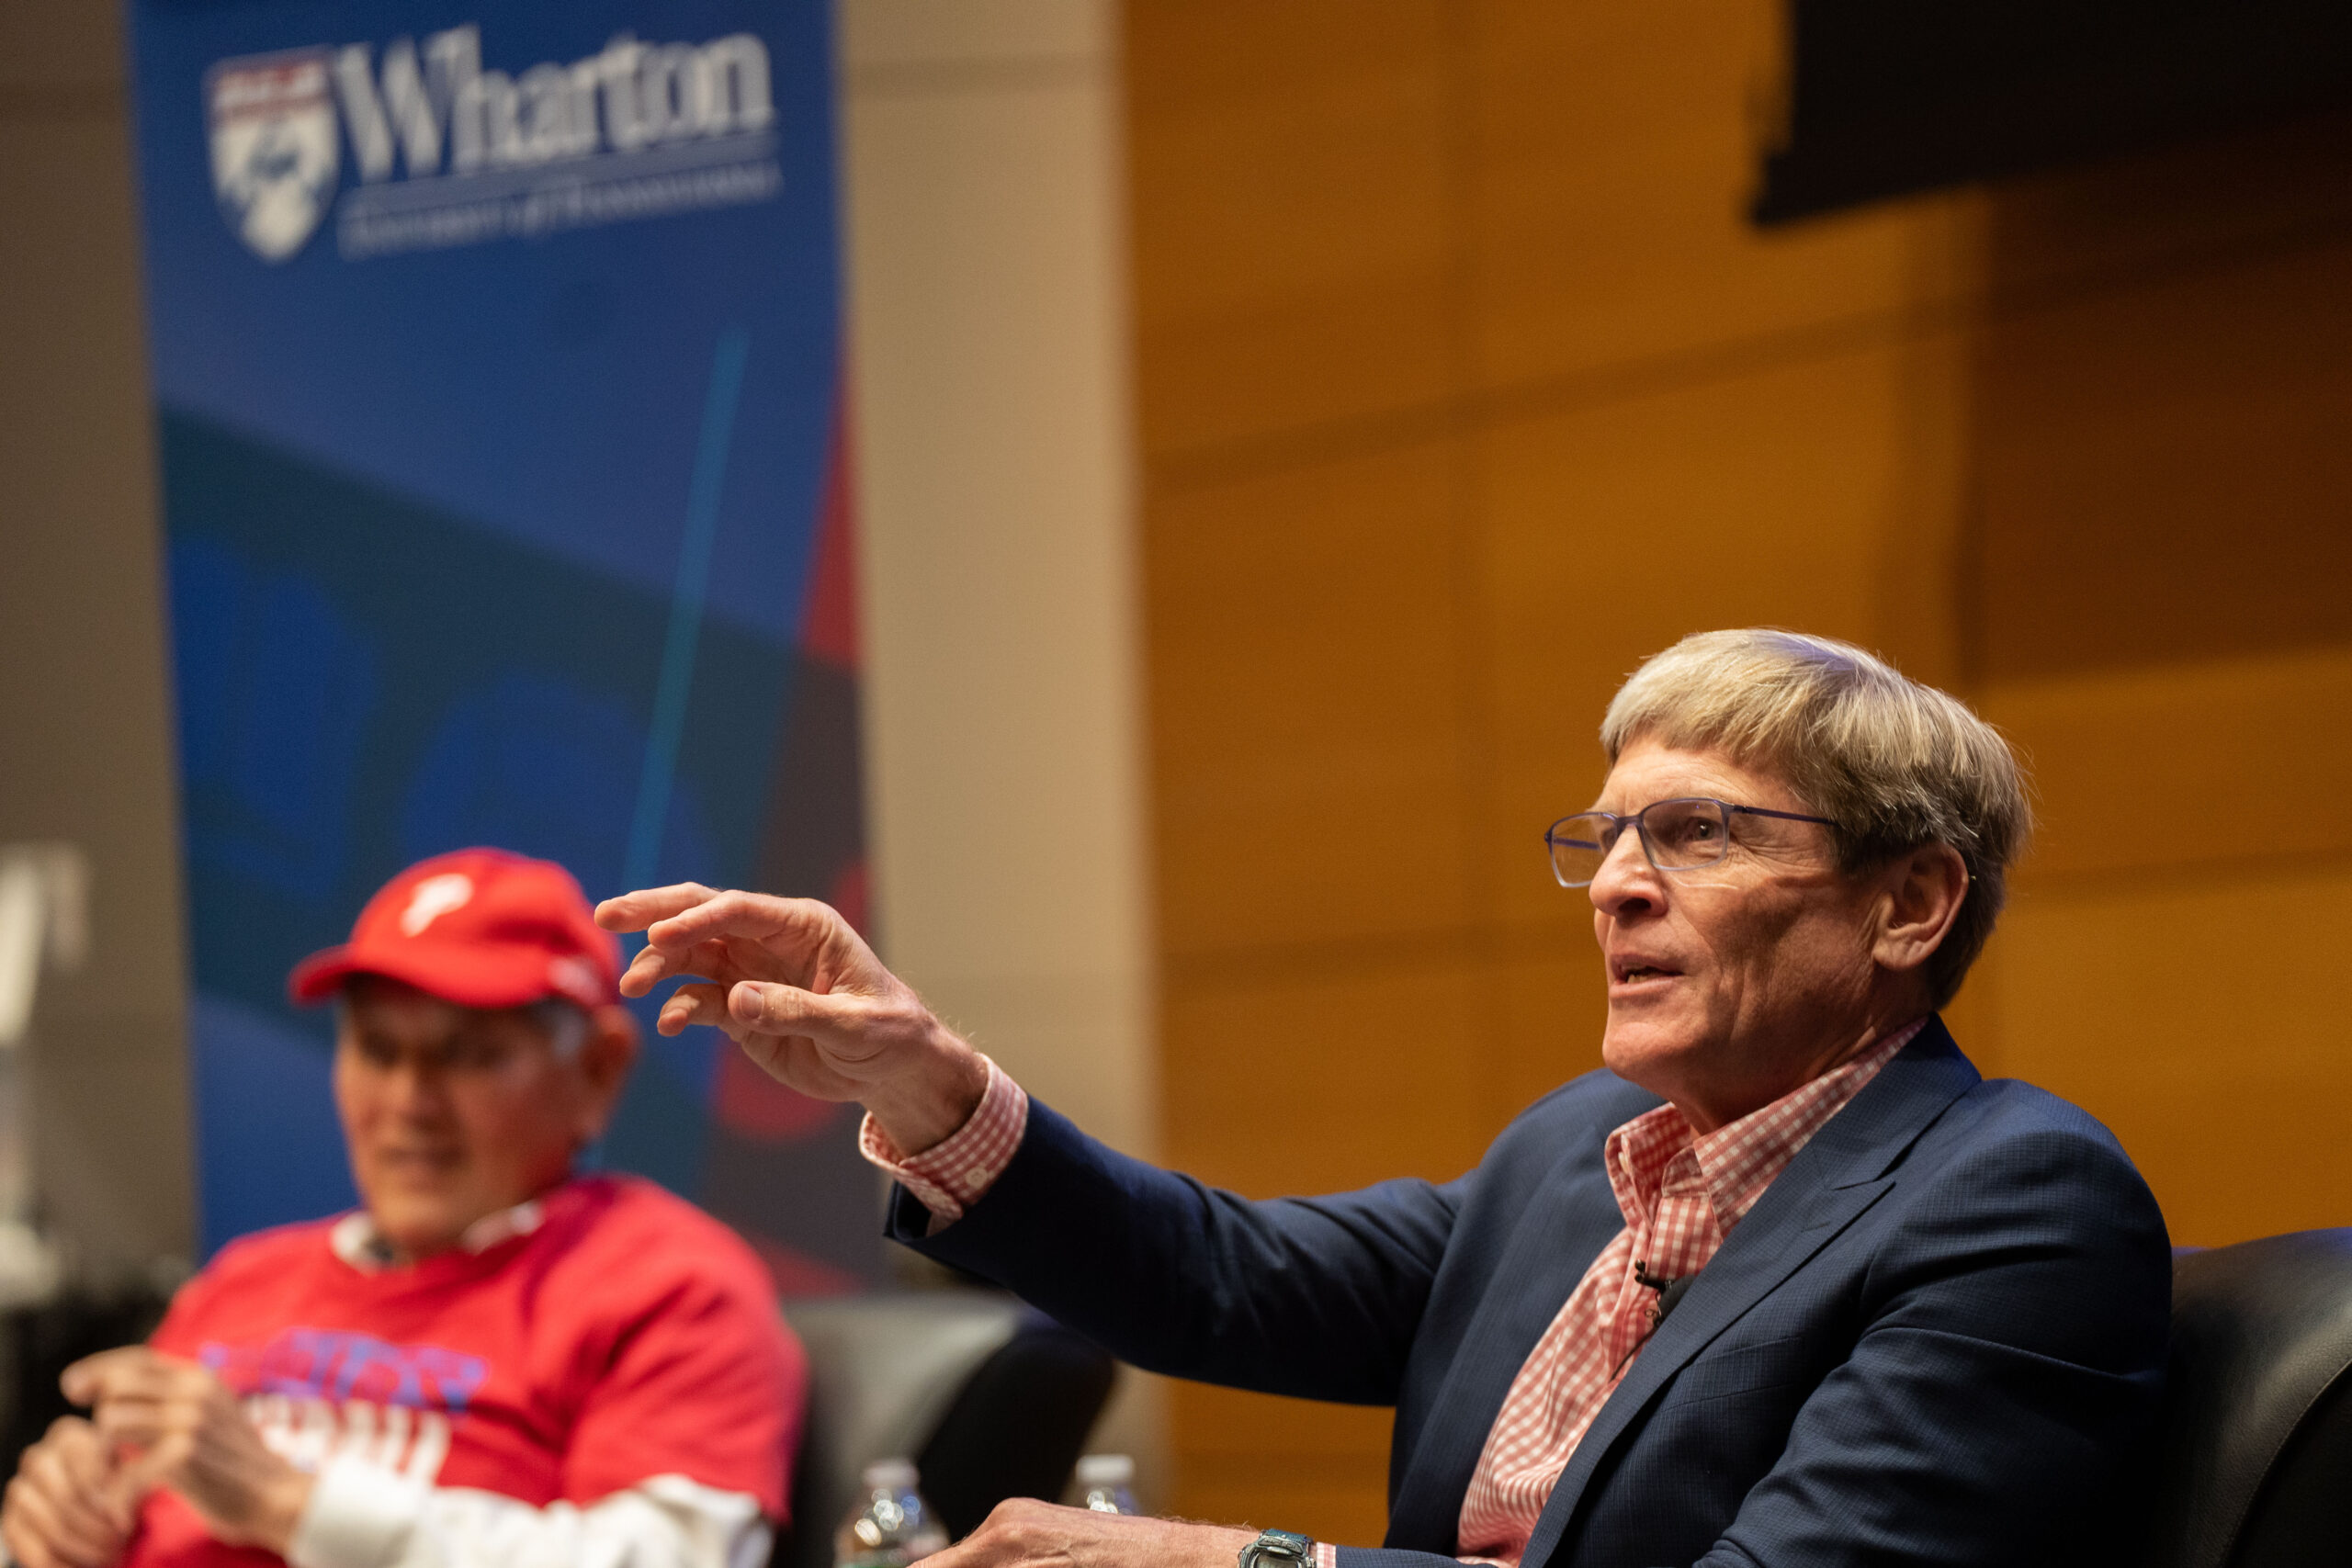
{"x": 450, "y": 153}
{"x": 273, "y": 147}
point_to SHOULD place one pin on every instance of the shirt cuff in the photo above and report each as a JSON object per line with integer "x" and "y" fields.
{"x": 359, "y": 1515}
{"x": 1326, "y": 1555}
{"x": 956, "y": 1172}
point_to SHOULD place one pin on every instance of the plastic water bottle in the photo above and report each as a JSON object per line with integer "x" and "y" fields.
{"x": 893, "y": 1525}
{"x": 1109, "y": 1480}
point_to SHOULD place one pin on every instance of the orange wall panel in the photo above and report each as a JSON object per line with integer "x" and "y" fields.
{"x": 1613, "y": 155}
{"x": 1306, "y": 680}
{"x": 1295, "y": 259}
{"x": 2203, "y": 1020}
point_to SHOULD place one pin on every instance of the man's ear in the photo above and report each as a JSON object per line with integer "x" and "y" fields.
{"x": 1919, "y": 899}
{"x": 604, "y": 1059}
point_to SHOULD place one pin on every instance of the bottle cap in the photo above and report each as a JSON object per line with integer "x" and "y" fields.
{"x": 1105, "y": 1469}
{"x": 897, "y": 1475}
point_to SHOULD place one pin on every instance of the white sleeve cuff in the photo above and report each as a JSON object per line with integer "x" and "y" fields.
{"x": 359, "y": 1515}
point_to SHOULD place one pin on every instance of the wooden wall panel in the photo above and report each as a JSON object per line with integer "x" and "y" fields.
{"x": 1331, "y": 1450}
{"x": 1613, "y": 150}
{"x": 2164, "y": 769}
{"x": 1306, "y": 683}
{"x": 1295, "y": 259}
{"x": 1317, "y": 1082}
{"x": 2165, "y": 468}
{"x": 2201, "y": 1017}
{"x": 2173, "y": 961}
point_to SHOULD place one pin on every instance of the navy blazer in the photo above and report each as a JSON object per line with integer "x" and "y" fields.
{"x": 1938, "y": 1337}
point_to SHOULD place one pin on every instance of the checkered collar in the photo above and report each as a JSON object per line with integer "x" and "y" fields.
{"x": 1657, "y": 1154}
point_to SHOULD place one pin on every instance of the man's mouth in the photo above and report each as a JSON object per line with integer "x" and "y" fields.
{"x": 1630, "y": 972}
{"x": 417, "y": 1159}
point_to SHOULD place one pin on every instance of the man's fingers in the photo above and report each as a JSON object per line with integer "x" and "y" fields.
{"x": 74, "y": 1462}
{"x": 73, "y": 1444}
{"x": 26, "y": 1549}
{"x": 801, "y": 924}
{"x": 86, "y": 1379}
{"x": 88, "y": 1466}
{"x": 68, "y": 1534}
{"x": 766, "y": 1008}
{"x": 1019, "y": 1529}
{"x": 723, "y": 963}
{"x": 635, "y": 911}
{"x": 140, "y": 1422}
{"x": 159, "y": 1465}
{"x": 981, "y": 1549}
{"x": 691, "y": 1005}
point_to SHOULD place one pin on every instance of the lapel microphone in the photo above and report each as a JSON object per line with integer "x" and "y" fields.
{"x": 1669, "y": 1291}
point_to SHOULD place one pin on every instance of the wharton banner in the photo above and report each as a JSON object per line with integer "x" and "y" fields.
{"x": 497, "y": 363}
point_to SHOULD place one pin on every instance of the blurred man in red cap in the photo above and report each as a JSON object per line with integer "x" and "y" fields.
{"x": 492, "y": 1360}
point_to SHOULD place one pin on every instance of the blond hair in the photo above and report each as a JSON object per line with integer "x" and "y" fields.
{"x": 1897, "y": 765}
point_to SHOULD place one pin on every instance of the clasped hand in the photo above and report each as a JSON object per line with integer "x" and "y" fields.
{"x": 155, "y": 1420}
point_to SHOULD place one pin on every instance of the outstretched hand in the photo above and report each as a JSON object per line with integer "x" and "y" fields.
{"x": 793, "y": 985}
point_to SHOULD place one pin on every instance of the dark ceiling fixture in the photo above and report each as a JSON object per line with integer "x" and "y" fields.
{"x": 1887, "y": 97}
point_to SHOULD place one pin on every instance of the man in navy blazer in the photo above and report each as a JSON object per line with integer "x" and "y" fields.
{"x": 1919, "y": 1319}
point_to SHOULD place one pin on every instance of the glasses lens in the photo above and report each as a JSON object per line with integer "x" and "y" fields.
{"x": 1579, "y": 846}
{"x": 1685, "y": 834}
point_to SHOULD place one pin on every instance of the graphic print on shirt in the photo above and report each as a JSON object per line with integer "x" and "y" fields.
{"x": 317, "y": 1395}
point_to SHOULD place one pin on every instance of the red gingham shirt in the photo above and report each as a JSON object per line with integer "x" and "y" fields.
{"x": 950, "y": 1175}
{"x": 1680, "y": 1194}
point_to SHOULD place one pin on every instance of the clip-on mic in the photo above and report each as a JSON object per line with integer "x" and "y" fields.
{"x": 1669, "y": 1291}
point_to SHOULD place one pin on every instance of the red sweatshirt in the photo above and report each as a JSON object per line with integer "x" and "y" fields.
{"x": 613, "y": 1335}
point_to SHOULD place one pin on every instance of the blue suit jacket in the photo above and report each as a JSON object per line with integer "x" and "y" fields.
{"x": 1937, "y": 1338}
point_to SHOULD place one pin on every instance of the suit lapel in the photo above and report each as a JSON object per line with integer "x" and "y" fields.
{"x": 1568, "y": 1218}
{"x": 1832, "y": 1182}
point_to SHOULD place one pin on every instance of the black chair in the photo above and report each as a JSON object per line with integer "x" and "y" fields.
{"x": 2255, "y": 1460}
{"x": 989, "y": 1399}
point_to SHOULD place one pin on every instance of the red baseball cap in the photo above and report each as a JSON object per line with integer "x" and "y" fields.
{"x": 480, "y": 927}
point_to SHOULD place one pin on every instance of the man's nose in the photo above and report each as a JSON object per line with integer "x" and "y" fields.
{"x": 1626, "y": 883}
{"x": 414, "y": 1087}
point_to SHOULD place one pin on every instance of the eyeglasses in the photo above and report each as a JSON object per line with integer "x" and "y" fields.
{"x": 1676, "y": 835}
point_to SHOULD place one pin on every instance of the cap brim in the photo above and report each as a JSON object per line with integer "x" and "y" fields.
{"x": 472, "y": 976}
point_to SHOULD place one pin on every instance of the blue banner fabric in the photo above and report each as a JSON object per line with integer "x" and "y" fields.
{"x": 497, "y": 365}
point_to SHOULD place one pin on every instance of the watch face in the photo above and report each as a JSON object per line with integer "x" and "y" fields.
{"x": 1279, "y": 1546}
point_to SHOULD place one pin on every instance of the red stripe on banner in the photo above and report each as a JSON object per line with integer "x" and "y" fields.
{"x": 750, "y": 1102}
{"x": 829, "y": 628}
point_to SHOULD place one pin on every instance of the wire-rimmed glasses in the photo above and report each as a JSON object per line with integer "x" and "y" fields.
{"x": 1681, "y": 834}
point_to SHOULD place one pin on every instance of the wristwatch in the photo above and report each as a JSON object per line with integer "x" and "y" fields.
{"x": 1279, "y": 1549}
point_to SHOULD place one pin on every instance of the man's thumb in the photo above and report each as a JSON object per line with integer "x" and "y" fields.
{"x": 79, "y": 1382}
{"x": 772, "y": 1009}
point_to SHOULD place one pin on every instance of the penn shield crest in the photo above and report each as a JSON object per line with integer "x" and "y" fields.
{"x": 274, "y": 145}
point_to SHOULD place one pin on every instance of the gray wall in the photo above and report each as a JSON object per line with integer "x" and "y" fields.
{"x": 85, "y": 750}
{"x": 989, "y": 353}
